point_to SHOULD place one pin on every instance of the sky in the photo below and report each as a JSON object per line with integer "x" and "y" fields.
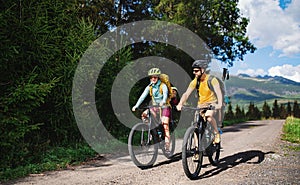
{"x": 274, "y": 29}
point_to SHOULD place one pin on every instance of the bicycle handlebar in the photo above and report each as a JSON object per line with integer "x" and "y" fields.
{"x": 199, "y": 108}
{"x": 151, "y": 106}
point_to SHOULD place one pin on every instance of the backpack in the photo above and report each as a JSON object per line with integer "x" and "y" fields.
{"x": 164, "y": 78}
{"x": 220, "y": 113}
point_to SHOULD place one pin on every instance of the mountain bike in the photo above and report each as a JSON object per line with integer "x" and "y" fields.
{"x": 198, "y": 142}
{"x": 147, "y": 137}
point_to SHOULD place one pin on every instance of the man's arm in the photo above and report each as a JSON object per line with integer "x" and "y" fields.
{"x": 184, "y": 97}
{"x": 217, "y": 90}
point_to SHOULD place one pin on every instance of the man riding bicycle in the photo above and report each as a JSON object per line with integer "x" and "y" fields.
{"x": 206, "y": 96}
{"x": 158, "y": 98}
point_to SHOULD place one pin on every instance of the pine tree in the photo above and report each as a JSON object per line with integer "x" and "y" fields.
{"x": 229, "y": 115}
{"x": 266, "y": 111}
{"x": 289, "y": 109}
{"x": 296, "y": 110}
{"x": 257, "y": 113}
{"x": 238, "y": 113}
{"x": 275, "y": 110}
{"x": 251, "y": 115}
{"x": 282, "y": 112}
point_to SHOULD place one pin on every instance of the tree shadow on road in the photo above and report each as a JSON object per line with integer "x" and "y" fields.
{"x": 247, "y": 157}
{"x": 242, "y": 126}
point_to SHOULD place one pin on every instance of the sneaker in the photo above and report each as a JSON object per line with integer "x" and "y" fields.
{"x": 168, "y": 152}
{"x": 167, "y": 147}
{"x": 145, "y": 120}
{"x": 195, "y": 157}
{"x": 217, "y": 138}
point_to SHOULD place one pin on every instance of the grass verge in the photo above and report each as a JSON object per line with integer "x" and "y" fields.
{"x": 291, "y": 130}
{"x": 54, "y": 159}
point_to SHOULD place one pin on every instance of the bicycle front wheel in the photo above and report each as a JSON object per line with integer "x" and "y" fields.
{"x": 141, "y": 146}
{"x": 213, "y": 152}
{"x": 192, "y": 157}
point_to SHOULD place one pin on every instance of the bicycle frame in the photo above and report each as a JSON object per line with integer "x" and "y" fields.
{"x": 197, "y": 143}
{"x": 201, "y": 126}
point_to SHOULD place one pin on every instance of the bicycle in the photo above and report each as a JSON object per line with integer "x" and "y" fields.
{"x": 147, "y": 137}
{"x": 197, "y": 142}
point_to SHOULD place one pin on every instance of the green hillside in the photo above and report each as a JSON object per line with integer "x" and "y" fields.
{"x": 243, "y": 90}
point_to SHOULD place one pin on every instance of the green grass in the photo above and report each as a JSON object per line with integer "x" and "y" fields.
{"x": 54, "y": 159}
{"x": 291, "y": 130}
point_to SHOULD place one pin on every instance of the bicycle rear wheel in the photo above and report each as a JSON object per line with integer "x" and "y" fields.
{"x": 191, "y": 156}
{"x": 141, "y": 146}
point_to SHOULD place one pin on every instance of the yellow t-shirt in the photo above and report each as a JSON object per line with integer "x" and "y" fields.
{"x": 206, "y": 96}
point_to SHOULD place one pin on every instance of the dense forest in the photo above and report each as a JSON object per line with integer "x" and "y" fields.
{"x": 42, "y": 42}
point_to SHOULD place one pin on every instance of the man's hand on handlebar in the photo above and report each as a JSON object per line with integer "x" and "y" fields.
{"x": 178, "y": 107}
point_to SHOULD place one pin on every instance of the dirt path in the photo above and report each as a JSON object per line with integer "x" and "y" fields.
{"x": 252, "y": 154}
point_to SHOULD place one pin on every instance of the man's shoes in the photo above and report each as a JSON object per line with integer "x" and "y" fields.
{"x": 167, "y": 146}
{"x": 217, "y": 138}
{"x": 195, "y": 157}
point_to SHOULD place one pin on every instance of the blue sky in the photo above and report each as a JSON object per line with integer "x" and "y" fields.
{"x": 274, "y": 29}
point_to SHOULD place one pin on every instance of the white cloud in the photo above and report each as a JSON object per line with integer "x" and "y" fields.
{"x": 287, "y": 71}
{"x": 272, "y": 26}
{"x": 252, "y": 72}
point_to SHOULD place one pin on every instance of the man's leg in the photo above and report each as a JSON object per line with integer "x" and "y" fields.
{"x": 209, "y": 114}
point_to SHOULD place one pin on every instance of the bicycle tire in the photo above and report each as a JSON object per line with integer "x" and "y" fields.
{"x": 191, "y": 167}
{"x": 213, "y": 152}
{"x": 142, "y": 153}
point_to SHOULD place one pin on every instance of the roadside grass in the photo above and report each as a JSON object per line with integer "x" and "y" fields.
{"x": 59, "y": 158}
{"x": 291, "y": 130}
{"x": 54, "y": 159}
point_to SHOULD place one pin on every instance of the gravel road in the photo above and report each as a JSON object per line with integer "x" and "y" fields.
{"x": 252, "y": 153}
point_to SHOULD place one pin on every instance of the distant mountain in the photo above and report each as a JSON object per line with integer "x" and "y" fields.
{"x": 279, "y": 79}
{"x": 243, "y": 88}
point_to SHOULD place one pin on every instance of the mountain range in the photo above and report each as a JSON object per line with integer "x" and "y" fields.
{"x": 243, "y": 89}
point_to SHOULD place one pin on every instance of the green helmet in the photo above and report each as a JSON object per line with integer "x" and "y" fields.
{"x": 154, "y": 71}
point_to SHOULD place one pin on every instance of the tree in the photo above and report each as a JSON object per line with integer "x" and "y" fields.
{"x": 296, "y": 109}
{"x": 41, "y": 44}
{"x": 229, "y": 115}
{"x": 238, "y": 113}
{"x": 266, "y": 110}
{"x": 275, "y": 109}
{"x": 253, "y": 112}
{"x": 289, "y": 109}
{"x": 282, "y": 112}
{"x": 218, "y": 22}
